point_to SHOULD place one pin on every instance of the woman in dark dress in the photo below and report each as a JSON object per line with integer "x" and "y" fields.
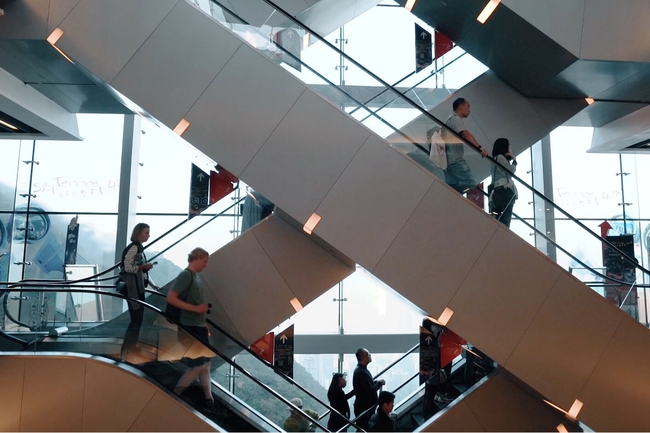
{"x": 339, "y": 401}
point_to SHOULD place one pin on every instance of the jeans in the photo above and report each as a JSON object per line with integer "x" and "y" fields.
{"x": 503, "y": 200}
{"x": 459, "y": 176}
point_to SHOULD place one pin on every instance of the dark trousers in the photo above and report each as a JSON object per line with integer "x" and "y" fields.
{"x": 132, "y": 334}
{"x": 363, "y": 421}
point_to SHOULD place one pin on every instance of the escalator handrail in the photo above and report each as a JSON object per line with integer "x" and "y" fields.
{"x": 115, "y": 266}
{"x": 262, "y": 360}
{"x": 204, "y": 343}
{"x": 443, "y": 125}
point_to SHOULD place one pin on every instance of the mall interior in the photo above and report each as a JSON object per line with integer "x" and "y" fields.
{"x": 291, "y": 139}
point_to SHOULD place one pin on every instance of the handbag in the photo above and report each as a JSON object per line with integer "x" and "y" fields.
{"x": 173, "y": 312}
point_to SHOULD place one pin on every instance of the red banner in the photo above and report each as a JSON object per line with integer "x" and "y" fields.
{"x": 442, "y": 44}
{"x": 264, "y": 347}
{"x": 450, "y": 347}
{"x": 222, "y": 183}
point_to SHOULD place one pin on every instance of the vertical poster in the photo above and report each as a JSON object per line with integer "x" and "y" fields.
{"x": 429, "y": 354}
{"x": 617, "y": 267}
{"x": 291, "y": 44}
{"x": 284, "y": 352}
{"x": 199, "y": 191}
{"x": 71, "y": 242}
{"x": 423, "y": 48}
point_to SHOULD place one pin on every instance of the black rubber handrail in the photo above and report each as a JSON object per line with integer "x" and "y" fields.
{"x": 205, "y": 343}
{"x": 454, "y": 133}
{"x": 115, "y": 266}
{"x": 263, "y": 361}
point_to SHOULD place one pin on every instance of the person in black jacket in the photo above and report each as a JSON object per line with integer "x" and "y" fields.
{"x": 384, "y": 420}
{"x": 365, "y": 388}
{"x": 339, "y": 401}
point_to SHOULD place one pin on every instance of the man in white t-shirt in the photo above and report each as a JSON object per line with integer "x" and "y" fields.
{"x": 458, "y": 174}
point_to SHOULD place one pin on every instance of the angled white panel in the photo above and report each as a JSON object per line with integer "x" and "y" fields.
{"x": 240, "y": 109}
{"x": 59, "y": 9}
{"x": 502, "y": 294}
{"x": 434, "y": 250}
{"x": 575, "y": 327}
{"x": 162, "y": 414}
{"x": 103, "y": 36}
{"x": 617, "y": 394}
{"x": 328, "y": 15}
{"x": 176, "y": 63}
{"x": 11, "y": 383}
{"x": 459, "y": 417}
{"x": 560, "y": 20}
{"x": 631, "y": 129}
{"x": 305, "y": 155}
{"x": 248, "y": 287}
{"x": 34, "y": 109}
{"x": 106, "y": 383}
{"x": 308, "y": 269}
{"x": 368, "y": 206}
{"x": 499, "y": 395}
{"x": 616, "y": 30}
{"x": 45, "y": 379}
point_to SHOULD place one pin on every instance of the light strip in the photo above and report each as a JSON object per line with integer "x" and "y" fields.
{"x": 311, "y": 223}
{"x": 589, "y": 101}
{"x": 182, "y": 126}
{"x": 55, "y": 36}
{"x": 295, "y": 303}
{"x": 576, "y": 407}
{"x": 8, "y": 125}
{"x": 446, "y": 316}
{"x": 562, "y": 429}
{"x": 487, "y": 11}
{"x": 306, "y": 40}
{"x": 409, "y": 5}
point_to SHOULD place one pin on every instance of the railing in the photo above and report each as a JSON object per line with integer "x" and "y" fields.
{"x": 386, "y": 123}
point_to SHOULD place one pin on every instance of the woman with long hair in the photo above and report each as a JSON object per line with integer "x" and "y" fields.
{"x": 339, "y": 401}
{"x": 133, "y": 271}
{"x": 504, "y": 192}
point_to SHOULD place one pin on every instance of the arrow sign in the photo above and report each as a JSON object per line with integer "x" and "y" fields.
{"x": 604, "y": 228}
{"x": 199, "y": 192}
{"x": 284, "y": 352}
{"x": 428, "y": 340}
{"x": 423, "y": 48}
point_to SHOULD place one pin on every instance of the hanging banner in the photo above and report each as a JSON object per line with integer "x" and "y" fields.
{"x": 423, "y": 48}
{"x": 619, "y": 268}
{"x": 284, "y": 352}
{"x": 264, "y": 347}
{"x": 199, "y": 191}
{"x": 222, "y": 183}
{"x": 429, "y": 354}
{"x": 442, "y": 44}
{"x": 71, "y": 242}
{"x": 450, "y": 346}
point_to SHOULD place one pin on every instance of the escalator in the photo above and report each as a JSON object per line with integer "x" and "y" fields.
{"x": 418, "y": 242}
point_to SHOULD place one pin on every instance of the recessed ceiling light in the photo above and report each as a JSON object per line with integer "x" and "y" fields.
{"x": 8, "y": 125}
{"x": 487, "y": 11}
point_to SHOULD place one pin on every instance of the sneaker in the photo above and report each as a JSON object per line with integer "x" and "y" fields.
{"x": 443, "y": 398}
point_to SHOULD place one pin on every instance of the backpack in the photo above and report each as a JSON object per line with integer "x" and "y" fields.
{"x": 174, "y": 313}
{"x": 120, "y": 284}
